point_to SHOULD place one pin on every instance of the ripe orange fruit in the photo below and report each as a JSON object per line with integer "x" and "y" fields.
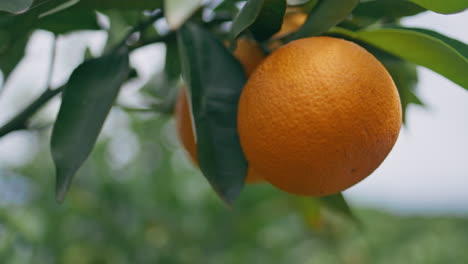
{"x": 249, "y": 54}
{"x": 318, "y": 115}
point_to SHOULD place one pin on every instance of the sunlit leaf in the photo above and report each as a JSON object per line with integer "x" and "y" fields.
{"x": 443, "y": 6}
{"x": 215, "y": 80}
{"x": 178, "y": 11}
{"x": 59, "y": 6}
{"x": 87, "y": 100}
{"x": 385, "y": 9}
{"x": 262, "y": 17}
{"x": 297, "y": 2}
{"x": 430, "y": 49}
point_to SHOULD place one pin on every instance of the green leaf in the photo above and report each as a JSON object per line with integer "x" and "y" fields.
{"x": 69, "y": 20}
{"x": 338, "y": 203}
{"x": 384, "y": 9}
{"x": 118, "y": 4}
{"x": 325, "y": 15}
{"x": 178, "y": 11}
{"x": 427, "y": 48}
{"x": 11, "y": 53}
{"x": 309, "y": 5}
{"x": 297, "y": 2}
{"x": 215, "y": 80}
{"x": 119, "y": 26}
{"x": 443, "y": 6}
{"x": 269, "y": 20}
{"x": 262, "y": 17}
{"x": 15, "y": 31}
{"x": 15, "y": 6}
{"x": 226, "y": 8}
{"x": 87, "y": 100}
{"x": 456, "y": 44}
{"x": 246, "y": 17}
{"x": 57, "y": 6}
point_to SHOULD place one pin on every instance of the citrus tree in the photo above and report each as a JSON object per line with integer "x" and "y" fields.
{"x": 300, "y": 94}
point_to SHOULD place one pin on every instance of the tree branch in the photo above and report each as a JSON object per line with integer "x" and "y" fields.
{"x": 19, "y": 122}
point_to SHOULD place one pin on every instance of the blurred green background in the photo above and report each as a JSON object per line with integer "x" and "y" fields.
{"x": 138, "y": 199}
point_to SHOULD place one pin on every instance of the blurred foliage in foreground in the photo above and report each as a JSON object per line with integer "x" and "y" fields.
{"x": 139, "y": 200}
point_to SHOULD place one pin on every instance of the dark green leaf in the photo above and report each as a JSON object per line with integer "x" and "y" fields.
{"x": 439, "y": 53}
{"x": 69, "y": 20}
{"x": 338, "y": 203}
{"x": 246, "y": 17}
{"x": 15, "y": 6}
{"x": 325, "y": 15}
{"x": 119, "y": 4}
{"x": 215, "y": 80}
{"x": 87, "y": 100}
{"x": 385, "y": 9}
{"x": 443, "y": 6}
{"x": 14, "y": 35}
{"x": 262, "y": 17}
{"x": 11, "y": 54}
{"x": 178, "y": 11}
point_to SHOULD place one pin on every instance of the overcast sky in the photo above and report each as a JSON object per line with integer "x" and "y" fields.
{"x": 428, "y": 167}
{"x": 426, "y": 171}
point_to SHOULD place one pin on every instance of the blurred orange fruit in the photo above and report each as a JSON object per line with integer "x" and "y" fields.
{"x": 249, "y": 54}
{"x": 292, "y": 21}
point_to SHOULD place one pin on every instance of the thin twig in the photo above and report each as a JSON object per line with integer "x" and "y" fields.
{"x": 19, "y": 122}
{"x": 141, "y": 26}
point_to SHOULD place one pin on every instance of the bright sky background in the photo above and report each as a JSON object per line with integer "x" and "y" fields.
{"x": 428, "y": 168}
{"x": 427, "y": 171}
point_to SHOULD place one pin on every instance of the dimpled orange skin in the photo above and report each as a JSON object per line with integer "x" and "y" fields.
{"x": 250, "y": 55}
{"x": 318, "y": 115}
